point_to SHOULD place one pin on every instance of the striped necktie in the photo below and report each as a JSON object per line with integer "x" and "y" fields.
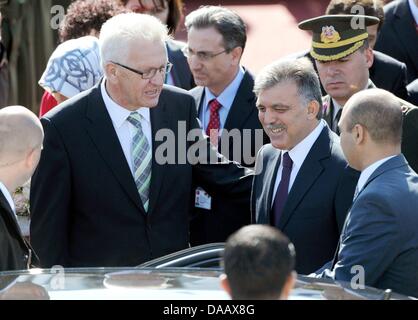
{"x": 141, "y": 159}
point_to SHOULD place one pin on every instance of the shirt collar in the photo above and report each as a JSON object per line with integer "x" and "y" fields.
{"x": 119, "y": 114}
{"x": 366, "y": 173}
{"x": 414, "y": 10}
{"x": 299, "y": 152}
{"x": 8, "y": 197}
{"x": 226, "y": 98}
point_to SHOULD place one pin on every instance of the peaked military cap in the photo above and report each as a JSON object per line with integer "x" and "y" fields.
{"x": 337, "y": 36}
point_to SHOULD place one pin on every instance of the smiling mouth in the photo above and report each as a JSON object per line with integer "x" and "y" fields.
{"x": 151, "y": 92}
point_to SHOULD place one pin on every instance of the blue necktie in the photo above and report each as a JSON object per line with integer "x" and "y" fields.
{"x": 283, "y": 189}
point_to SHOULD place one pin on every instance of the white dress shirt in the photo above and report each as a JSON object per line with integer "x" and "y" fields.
{"x": 8, "y": 197}
{"x": 298, "y": 155}
{"x": 124, "y": 129}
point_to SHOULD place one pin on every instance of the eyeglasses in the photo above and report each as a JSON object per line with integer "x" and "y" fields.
{"x": 201, "y": 55}
{"x": 150, "y": 73}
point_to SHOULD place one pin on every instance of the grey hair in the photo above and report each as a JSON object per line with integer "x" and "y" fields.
{"x": 228, "y": 23}
{"x": 119, "y": 33}
{"x": 301, "y": 71}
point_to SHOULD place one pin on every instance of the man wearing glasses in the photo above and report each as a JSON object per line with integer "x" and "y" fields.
{"x": 107, "y": 192}
{"x": 226, "y": 107}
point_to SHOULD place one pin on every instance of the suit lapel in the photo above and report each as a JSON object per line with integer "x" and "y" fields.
{"x": 307, "y": 175}
{"x": 327, "y": 109}
{"x": 9, "y": 215}
{"x": 271, "y": 177}
{"x": 198, "y": 94}
{"x": 100, "y": 128}
{"x": 263, "y": 203}
{"x": 159, "y": 120}
{"x": 405, "y": 26}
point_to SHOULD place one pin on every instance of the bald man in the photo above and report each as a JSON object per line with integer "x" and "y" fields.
{"x": 379, "y": 241}
{"x": 21, "y": 137}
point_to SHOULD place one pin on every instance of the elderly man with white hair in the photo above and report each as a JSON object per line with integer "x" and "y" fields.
{"x": 103, "y": 195}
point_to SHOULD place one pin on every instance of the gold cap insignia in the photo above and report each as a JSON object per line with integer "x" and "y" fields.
{"x": 329, "y": 34}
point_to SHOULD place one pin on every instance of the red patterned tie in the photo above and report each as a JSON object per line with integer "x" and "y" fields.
{"x": 214, "y": 123}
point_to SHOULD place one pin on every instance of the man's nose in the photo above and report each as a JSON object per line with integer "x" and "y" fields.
{"x": 332, "y": 69}
{"x": 194, "y": 62}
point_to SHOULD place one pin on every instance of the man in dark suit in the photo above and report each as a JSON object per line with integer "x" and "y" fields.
{"x": 216, "y": 41}
{"x": 343, "y": 68}
{"x": 399, "y": 36}
{"x": 413, "y": 92}
{"x": 379, "y": 242}
{"x": 114, "y": 184}
{"x": 302, "y": 183}
{"x": 21, "y": 138}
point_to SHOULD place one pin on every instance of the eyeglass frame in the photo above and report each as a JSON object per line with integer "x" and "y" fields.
{"x": 153, "y": 71}
{"x": 209, "y": 55}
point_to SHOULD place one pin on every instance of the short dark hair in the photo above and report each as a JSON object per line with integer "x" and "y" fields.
{"x": 84, "y": 16}
{"x": 228, "y": 23}
{"x": 372, "y": 8}
{"x": 380, "y": 112}
{"x": 258, "y": 260}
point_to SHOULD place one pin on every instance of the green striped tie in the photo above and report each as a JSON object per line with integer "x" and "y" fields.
{"x": 141, "y": 159}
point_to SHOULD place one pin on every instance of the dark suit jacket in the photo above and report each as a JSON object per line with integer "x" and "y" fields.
{"x": 86, "y": 210}
{"x": 317, "y": 204}
{"x": 14, "y": 250}
{"x": 413, "y": 92}
{"x": 386, "y": 73}
{"x": 409, "y": 132}
{"x": 398, "y": 37}
{"x": 180, "y": 72}
{"x": 381, "y": 230}
{"x": 228, "y": 215}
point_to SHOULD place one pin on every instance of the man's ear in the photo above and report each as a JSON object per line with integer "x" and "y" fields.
{"x": 369, "y": 56}
{"x": 31, "y": 159}
{"x": 359, "y": 133}
{"x": 288, "y": 286}
{"x": 236, "y": 55}
{"x": 111, "y": 72}
{"x": 225, "y": 283}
